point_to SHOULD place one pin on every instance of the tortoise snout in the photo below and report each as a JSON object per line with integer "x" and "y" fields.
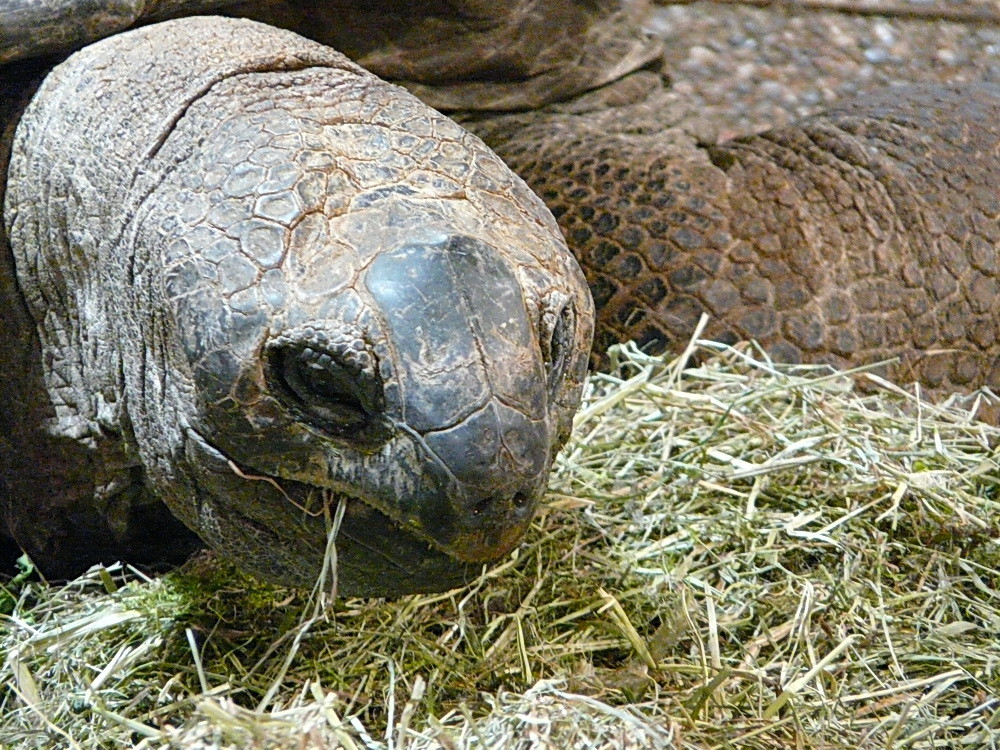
{"x": 487, "y": 509}
{"x": 495, "y": 463}
{"x": 493, "y": 523}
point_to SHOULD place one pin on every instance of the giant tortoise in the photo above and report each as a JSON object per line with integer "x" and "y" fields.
{"x": 251, "y": 290}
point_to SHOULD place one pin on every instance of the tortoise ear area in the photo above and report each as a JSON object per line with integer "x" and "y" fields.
{"x": 556, "y": 339}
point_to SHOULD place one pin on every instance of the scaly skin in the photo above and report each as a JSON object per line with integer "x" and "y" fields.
{"x": 463, "y": 54}
{"x": 866, "y": 233}
{"x": 263, "y": 284}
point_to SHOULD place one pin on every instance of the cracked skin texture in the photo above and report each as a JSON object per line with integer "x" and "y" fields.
{"x": 862, "y": 234}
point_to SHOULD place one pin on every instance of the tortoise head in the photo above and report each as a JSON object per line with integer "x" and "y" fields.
{"x": 370, "y": 311}
{"x": 297, "y": 294}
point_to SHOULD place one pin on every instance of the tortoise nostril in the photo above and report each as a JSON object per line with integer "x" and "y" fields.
{"x": 505, "y": 508}
{"x": 328, "y": 392}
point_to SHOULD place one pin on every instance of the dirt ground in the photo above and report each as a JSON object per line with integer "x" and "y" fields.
{"x": 744, "y": 68}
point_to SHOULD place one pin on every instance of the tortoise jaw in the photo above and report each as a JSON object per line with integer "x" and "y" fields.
{"x": 477, "y": 535}
{"x": 364, "y": 567}
{"x": 473, "y": 544}
{"x": 481, "y": 538}
{"x": 278, "y": 528}
{"x": 474, "y": 541}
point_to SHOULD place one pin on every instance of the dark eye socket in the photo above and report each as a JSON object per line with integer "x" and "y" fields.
{"x": 558, "y": 333}
{"x": 328, "y": 394}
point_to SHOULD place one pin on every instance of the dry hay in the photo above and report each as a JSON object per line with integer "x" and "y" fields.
{"x": 732, "y": 555}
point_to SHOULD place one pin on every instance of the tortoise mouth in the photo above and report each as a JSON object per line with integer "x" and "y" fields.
{"x": 375, "y": 557}
{"x": 279, "y": 529}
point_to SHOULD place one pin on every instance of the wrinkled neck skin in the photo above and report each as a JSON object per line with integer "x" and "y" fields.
{"x": 463, "y": 55}
{"x": 61, "y": 477}
{"x": 477, "y": 55}
{"x": 225, "y": 229}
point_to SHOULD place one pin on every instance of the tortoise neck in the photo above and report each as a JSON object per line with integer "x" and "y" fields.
{"x": 479, "y": 55}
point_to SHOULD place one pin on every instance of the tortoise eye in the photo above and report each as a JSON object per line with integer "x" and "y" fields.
{"x": 558, "y": 332}
{"x": 328, "y": 393}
